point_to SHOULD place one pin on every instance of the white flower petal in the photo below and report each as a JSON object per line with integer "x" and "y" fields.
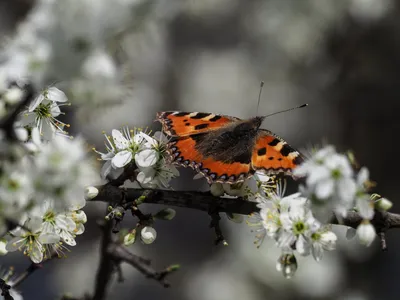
{"x": 146, "y": 158}
{"x": 120, "y": 141}
{"x": 317, "y": 251}
{"x": 14, "y": 244}
{"x": 55, "y": 110}
{"x": 54, "y": 94}
{"x": 48, "y": 238}
{"x": 36, "y": 253}
{"x": 363, "y": 176}
{"x": 65, "y": 223}
{"x": 68, "y": 238}
{"x": 365, "y": 207}
{"x": 145, "y": 177}
{"x": 121, "y": 159}
{"x": 303, "y": 246}
{"x": 324, "y": 189}
{"x": 35, "y": 103}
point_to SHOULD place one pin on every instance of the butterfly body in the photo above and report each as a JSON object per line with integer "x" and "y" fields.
{"x": 225, "y": 149}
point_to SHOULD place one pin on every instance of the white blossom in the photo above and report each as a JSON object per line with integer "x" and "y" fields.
{"x": 329, "y": 180}
{"x": 322, "y": 239}
{"x": 298, "y": 224}
{"x": 62, "y": 171}
{"x": 158, "y": 175}
{"x": 43, "y": 112}
{"x": 13, "y": 95}
{"x": 32, "y": 242}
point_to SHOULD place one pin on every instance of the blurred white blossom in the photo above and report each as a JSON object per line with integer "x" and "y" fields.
{"x": 42, "y": 113}
{"x": 33, "y": 241}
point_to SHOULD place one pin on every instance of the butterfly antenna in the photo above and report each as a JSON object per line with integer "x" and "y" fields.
{"x": 259, "y": 95}
{"x": 278, "y": 112}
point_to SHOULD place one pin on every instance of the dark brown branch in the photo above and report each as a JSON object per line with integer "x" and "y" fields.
{"x": 196, "y": 200}
{"x": 120, "y": 254}
{"x": 204, "y": 201}
{"x": 5, "y": 290}
{"x": 106, "y": 265}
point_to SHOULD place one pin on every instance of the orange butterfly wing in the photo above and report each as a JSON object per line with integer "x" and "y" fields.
{"x": 273, "y": 155}
{"x": 183, "y": 152}
{"x": 176, "y": 123}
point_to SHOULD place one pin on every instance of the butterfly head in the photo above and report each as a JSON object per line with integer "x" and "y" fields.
{"x": 249, "y": 127}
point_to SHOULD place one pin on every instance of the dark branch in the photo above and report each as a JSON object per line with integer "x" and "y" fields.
{"x": 5, "y": 290}
{"x": 120, "y": 254}
{"x": 204, "y": 201}
{"x": 106, "y": 265}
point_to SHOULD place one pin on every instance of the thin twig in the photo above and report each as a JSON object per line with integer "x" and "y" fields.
{"x": 31, "y": 269}
{"x": 121, "y": 254}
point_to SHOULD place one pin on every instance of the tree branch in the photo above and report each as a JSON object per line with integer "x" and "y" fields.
{"x": 206, "y": 202}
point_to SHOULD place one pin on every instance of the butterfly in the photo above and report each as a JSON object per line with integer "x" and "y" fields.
{"x": 225, "y": 149}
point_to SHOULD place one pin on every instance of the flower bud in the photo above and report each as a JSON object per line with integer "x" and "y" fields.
{"x": 130, "y": 238}
{"x": 366, "y": 233}
{"x": 91, "y": 192}
{"x": 3, "y": 250}
{"x": 148, "y": 235}
{"x": 217, "y": 190}
{"x": 165, "y": 214}
{"x": 13, "y": 95}
{"x": 287, "y": 264}
{"x": 383, "y": 204}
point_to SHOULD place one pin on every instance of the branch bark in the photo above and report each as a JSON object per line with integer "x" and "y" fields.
{"x": 206, "y": 202}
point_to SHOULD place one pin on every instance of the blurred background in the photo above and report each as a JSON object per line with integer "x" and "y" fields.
{"x": 122, "y": 61}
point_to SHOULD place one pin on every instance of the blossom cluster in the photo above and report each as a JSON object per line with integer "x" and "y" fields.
{"x": 332, "y": 184}
{"x": 42, "y": 179}
{"x": 148, "y": 153}
{"x": 290, "y": 222}
{"x": 299, "y": 223}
